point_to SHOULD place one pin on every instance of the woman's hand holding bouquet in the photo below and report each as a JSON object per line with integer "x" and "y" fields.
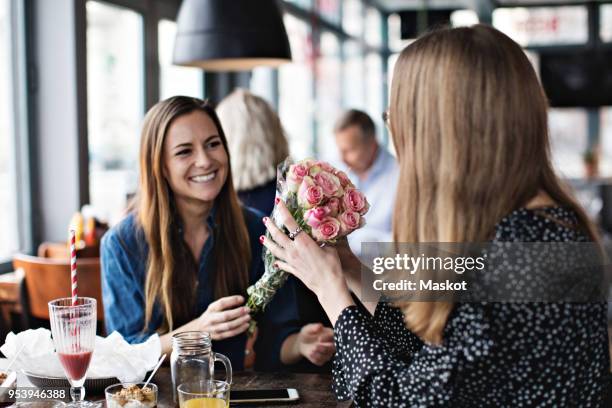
{"x": 325, "y": 205}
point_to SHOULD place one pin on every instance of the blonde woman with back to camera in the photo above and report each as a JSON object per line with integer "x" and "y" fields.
{"x": 469, "y": 123}
{"x": 257, "y": 144}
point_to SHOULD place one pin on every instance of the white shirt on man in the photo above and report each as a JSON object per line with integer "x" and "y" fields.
{"x": 379, "y": 187}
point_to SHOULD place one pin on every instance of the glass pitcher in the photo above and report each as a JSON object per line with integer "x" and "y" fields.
{"x": 192, "y": 359}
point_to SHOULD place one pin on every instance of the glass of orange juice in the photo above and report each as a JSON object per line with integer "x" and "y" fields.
{"x": 204, "y": 394}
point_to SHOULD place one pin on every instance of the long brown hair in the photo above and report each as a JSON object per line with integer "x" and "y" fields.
{"x": 171, "y": 270}
{"x": 469, "y": 122}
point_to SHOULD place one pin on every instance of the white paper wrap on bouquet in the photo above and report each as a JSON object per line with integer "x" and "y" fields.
{"x": 112, "y": 356}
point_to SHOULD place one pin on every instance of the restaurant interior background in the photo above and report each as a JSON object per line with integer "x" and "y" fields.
{"x": 77, "y": 76}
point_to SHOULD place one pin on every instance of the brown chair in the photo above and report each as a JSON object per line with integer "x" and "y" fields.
{"x": 60, "y": 250}
{"x": 46, "y": 279}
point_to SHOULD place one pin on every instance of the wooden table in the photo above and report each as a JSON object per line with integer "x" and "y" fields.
{"x": 314, "y": 389}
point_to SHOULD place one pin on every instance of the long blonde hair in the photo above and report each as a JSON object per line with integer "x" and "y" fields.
{"x": 171, "y": 270}
{"x": 469, "y": 122}
{"x": 256, "y": 138}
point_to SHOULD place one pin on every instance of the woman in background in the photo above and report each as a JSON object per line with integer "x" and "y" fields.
{"x": 257, "y": 145}
{"x": 469, "y": 122}
{"x": 184, "y": 256}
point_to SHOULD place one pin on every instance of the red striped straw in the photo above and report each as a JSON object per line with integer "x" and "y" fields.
{"x": 73, "y": 267}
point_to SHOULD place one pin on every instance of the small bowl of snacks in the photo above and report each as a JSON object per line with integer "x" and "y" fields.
{"x": 131, "y": 396}
{"x": 8, "y": 382}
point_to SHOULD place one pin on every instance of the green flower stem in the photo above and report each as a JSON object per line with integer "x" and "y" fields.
{"x": 262, "y": 292}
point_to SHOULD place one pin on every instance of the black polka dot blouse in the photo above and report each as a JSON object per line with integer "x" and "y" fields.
{"x": 492, "y": 354}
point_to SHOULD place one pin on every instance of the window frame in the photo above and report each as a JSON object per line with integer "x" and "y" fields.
{"x": 20, "y": 20}
{"x": 599, "y": 34}
{"x": 594, "y": 41}
{"x": 319, "y": 24}
{"x": 593, "y": 28}
{"x": 152, "y": 12}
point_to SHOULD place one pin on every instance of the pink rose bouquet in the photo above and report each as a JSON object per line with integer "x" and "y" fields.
{"x": 326, "y": 206}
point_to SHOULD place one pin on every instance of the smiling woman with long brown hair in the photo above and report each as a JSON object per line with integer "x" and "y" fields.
{"x": 170, "y": 186}
{"x": 185, "y": 254}
{"x": 469, "y": 122}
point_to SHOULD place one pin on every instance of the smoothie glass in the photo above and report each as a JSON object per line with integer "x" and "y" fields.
{"x": 74, "y": 335}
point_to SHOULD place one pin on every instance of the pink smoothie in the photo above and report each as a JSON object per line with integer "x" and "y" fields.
{"x": 75, "y": 364}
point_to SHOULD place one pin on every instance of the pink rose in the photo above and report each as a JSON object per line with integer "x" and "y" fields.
{"x": 309, "y": 194}
{"x": 307, "y": 162}
{"x": 326, "y": 166}
{"x": 315, "y": 216}
{"x": 327, "y": 230}
{"x": 333, "y": 205}
{"x": 315, "y": 169}
{"x": 329, "y": 183}
{"x": 344, "y": 180}
{"x": 349, "y": 221}
{"x": 354, "y": 200}
{"x": 295, "y": 175}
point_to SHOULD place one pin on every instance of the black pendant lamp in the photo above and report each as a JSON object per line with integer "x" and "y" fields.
{"x": 230, "y": 35}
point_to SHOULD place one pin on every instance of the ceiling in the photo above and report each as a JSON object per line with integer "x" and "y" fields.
{"x": 397, "y": 5}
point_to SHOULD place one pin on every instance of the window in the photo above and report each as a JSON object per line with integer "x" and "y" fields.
{"x": 173, "y": 79}
{"x": 373, "y": 27}
{"x": 463, "y": 18}
{"x": 605, "y": 140}
{"x": 15, "y": 200}
{"x": 394, "y": 33}
{"x": 352, "y": 17}
{"x": 263, "y": 83}
{"x": 568, "y": 139}
{"x": 9, "y": 233}
{"x": 543, "y": 25}
{"x": 374, "y": 90}
{"x": 115, "y": 100}
{"x": 337, "y": 50}
{"x": 305, "y": 4}
{"x": 329, "y": 96}
{"x": 353, "y": 75}
{"x": 329, "y": 10}
{"x": 295, "y": 87}
{"x": 605, "y": 22}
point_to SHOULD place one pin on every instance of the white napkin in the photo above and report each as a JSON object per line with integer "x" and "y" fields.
{"x": 112, "y": 356}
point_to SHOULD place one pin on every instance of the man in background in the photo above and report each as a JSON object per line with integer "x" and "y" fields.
{"x": 373, "y": 170}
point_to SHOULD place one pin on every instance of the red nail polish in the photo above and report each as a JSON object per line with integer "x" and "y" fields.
{"x": 261, "y": 239}
{"x": 276, "y": 200}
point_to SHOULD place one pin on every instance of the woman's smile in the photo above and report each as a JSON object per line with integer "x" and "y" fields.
{"x": 203, "y": 178}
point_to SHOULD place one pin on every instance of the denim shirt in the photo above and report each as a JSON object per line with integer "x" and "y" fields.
{"x": 124, "y": 254}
